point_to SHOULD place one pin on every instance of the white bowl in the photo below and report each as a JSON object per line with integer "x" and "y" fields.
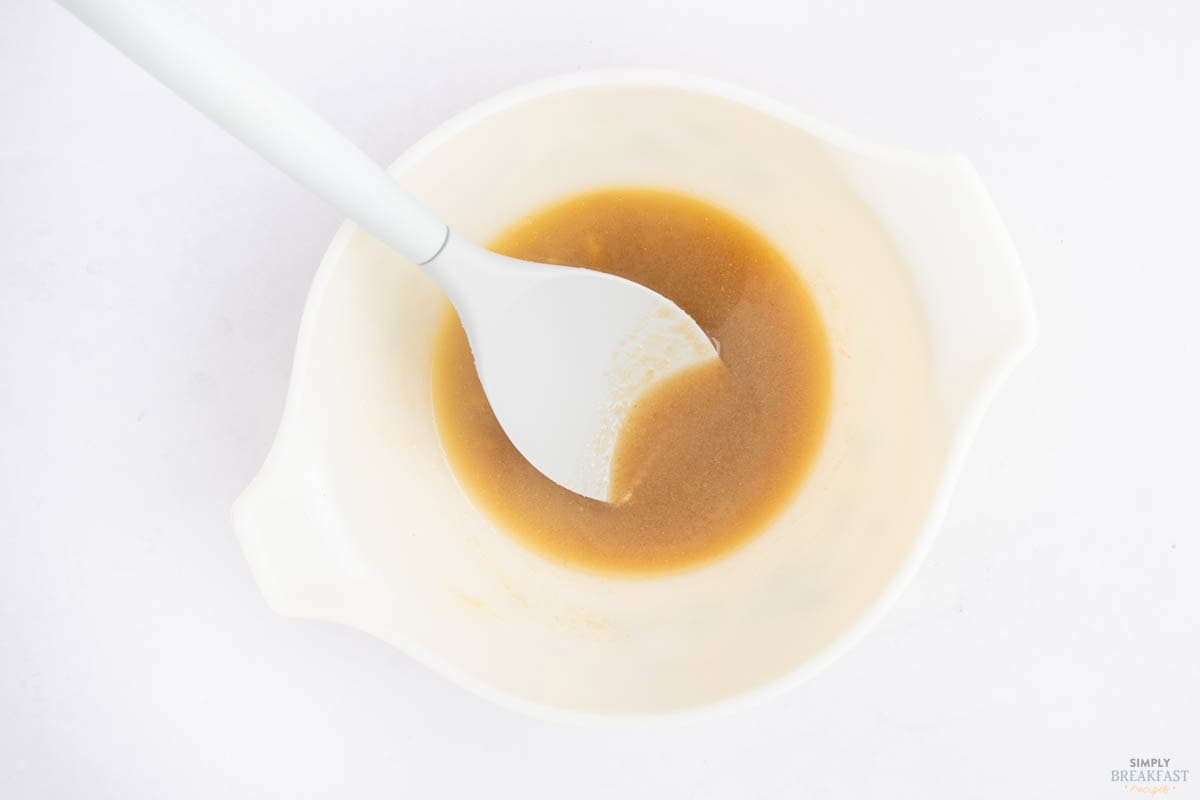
{"x": 357, "y": 518}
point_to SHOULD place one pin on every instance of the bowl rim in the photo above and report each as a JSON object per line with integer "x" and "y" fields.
{"x": 964, "y": 428}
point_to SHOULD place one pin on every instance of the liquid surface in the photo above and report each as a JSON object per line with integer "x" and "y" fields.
{"x": 706, "y": 458}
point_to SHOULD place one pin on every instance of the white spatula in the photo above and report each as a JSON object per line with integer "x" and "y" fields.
{"x": 562, "y": 352}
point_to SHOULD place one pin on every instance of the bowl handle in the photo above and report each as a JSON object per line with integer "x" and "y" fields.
{"x": 293, "y": 554}
{"x": 966, "y": 268}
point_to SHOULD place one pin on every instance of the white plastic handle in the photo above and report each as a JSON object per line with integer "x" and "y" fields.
{"x": 171, "y": 45}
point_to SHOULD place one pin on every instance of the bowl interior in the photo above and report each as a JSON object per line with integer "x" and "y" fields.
{"x": 434, "y": 577}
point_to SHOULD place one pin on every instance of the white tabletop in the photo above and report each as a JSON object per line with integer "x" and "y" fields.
{"x": 152, "y": 273}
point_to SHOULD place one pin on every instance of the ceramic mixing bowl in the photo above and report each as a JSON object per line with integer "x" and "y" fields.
{"x": 356, "y": 516}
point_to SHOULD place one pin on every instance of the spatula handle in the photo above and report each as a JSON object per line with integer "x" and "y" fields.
{"x": 172, "y": 46}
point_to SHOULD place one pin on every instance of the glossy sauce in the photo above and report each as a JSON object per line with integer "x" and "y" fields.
{"x": 708, "y": 457}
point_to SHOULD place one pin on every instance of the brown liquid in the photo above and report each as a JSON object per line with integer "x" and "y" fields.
{"x": 708, "y": 457}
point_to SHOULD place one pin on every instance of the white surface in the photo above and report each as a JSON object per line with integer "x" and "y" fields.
{"x": 151, "y": 277}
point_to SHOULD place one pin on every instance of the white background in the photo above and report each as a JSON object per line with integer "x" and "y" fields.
{"x": 152, "y": 273}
